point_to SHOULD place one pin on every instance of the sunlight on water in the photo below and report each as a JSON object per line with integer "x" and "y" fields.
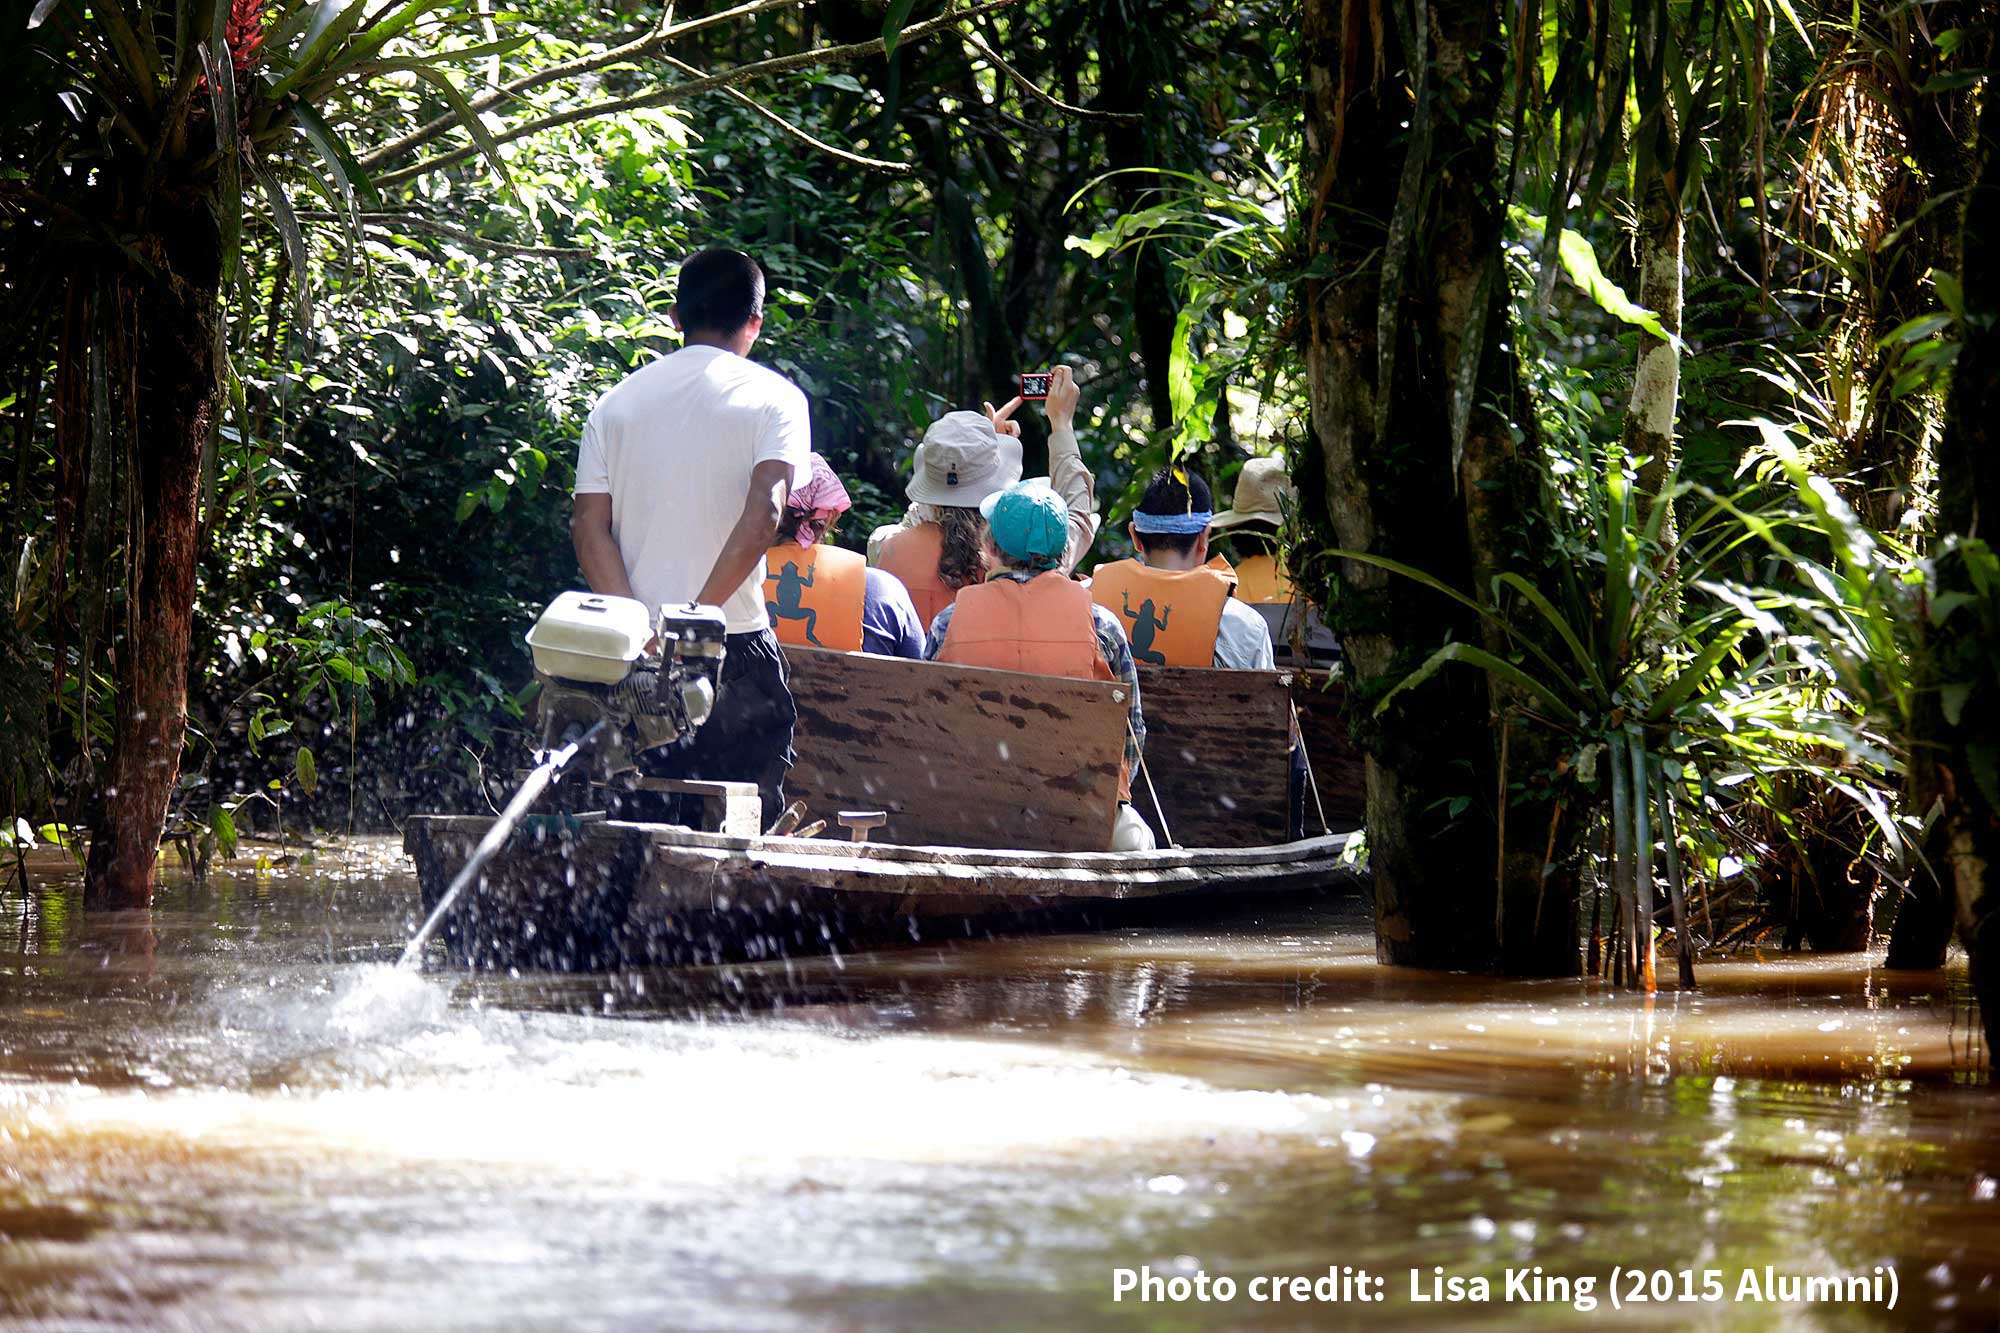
{"x": 704, "y": 1105}
{"x": 250, "y": 1119}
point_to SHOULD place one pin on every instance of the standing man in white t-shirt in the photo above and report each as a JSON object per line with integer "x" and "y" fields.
{"x": 681, "y": 480}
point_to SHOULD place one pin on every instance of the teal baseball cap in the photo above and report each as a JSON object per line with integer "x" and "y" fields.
{"x": 1029, "y": 523}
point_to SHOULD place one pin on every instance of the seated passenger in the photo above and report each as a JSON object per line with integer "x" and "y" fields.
{"x": 1249, "y": 531}
{"x": 1175, "y": 606}
{"x": 964, "y": 458}
{"x": 821, "y": 595}
{"x": 1029, "y": 616}
{"x": 1252, "y": 521}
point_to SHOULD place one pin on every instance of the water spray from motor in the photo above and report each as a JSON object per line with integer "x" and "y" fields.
{"x": 615, "y": 684}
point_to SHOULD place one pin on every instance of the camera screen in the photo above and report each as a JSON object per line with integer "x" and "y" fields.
{"x": 1035, "y": 384}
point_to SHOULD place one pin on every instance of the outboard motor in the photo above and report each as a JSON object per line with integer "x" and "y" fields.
{"x": 603, "y": 658}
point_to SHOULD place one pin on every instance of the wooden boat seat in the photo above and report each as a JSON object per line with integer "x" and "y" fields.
{"x": 957, "y": 756}
{"x": 1218, "y": 748}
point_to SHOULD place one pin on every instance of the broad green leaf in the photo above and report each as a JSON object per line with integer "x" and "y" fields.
{"x": 892, "y": 24}
{"x": 331, "y": 23}
{"x": 1579, "y": 261}
{"x": 1691, "y": 677}
{"x": 306, "y": 769}
{"x": 223, "y": 825}
{"x": 227, "y": 200}
{"x": 469, "y": 119}
{"x": 1180, "y": 365}
{"x": 1469, "y": 655}
{"x": 294, "y": 242}
{"x": 1915, "y": 330}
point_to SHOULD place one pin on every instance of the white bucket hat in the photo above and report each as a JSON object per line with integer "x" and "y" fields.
{"x": 962, "y": 460}
{"x": 1260, "y": 488}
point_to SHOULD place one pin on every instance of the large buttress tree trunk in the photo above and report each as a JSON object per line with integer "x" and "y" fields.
{"x": 1939, "y": 128}
{"x": 1968, "y": 506}
{"x": 1404, "y": 205}
{"x": 171, "y": 346}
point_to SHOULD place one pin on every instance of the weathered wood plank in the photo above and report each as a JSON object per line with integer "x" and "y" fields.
{"x": 1218, "y": 748}
{"x": 958, "y": 756}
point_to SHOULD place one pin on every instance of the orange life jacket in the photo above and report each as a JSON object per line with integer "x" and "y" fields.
{"x": 1043, "y": 626}
{"x": 814, "y": 595}
{"x": 1259, "y": 578}
{"x": 1171, "y": 616}
{"x": 912, "y": 555}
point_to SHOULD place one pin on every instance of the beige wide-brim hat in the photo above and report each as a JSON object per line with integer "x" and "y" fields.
{"x": 962, "y": 460}
{"x": 1261, "y": 487}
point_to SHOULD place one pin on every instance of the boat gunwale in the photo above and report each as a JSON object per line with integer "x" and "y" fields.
{"x": 912, "y": 881}
{"x": 787, "y": 851}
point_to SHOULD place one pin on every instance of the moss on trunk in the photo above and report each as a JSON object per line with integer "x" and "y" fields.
{"x": 1407, "y": 319}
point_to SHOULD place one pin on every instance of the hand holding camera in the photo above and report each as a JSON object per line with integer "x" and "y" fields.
{"x": 1055, "y": 389}
{"x": 1062, "y": 399}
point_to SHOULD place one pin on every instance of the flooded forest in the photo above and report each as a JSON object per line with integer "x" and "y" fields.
{"x": 1358, "y": 683}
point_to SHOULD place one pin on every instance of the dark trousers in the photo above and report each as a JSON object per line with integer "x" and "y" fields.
{"x": 748, "y": 736}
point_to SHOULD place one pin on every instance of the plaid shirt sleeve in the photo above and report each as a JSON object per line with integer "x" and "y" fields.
{"x": 1118, "y": 655}
{"x": 935, "y": 639}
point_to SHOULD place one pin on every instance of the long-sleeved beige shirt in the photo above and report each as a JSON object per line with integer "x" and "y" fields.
{"x": 1070, "y": 479}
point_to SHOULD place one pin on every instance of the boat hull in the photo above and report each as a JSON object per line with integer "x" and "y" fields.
{"x": 597, "y": 894}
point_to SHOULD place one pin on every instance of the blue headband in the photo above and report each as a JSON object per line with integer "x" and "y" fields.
{"x": 1173, "y": 525}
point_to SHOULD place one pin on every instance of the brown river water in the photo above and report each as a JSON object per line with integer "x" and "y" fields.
{"x": 236, "y": 1114}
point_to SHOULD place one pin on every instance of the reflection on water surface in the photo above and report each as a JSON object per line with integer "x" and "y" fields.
{"x": 235, "y": 1114}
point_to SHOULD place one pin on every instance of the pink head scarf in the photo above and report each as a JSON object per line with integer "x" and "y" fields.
{"x": 822, "y": 499}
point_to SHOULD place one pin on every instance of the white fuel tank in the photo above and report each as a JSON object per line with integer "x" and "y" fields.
{"x": 589, "y": 637}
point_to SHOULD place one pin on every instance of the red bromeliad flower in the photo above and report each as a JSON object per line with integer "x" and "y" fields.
{"x": 244, "y": 33}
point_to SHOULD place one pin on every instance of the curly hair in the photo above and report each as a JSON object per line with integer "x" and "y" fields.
{"x": 961, "y": 561}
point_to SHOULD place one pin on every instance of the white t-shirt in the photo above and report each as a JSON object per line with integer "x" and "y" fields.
{"x": 1242, "y": 640}
{"x": 673, "y": 444}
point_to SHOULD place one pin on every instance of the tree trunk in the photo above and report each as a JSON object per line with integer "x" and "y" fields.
{"x": 1131, "y": 84}
{"x": 1386, "y": 473}
{"x": 172, "y": 339}
{"x": 1656, "y": 382}
{"x": 1966, "y": 645}
{"x": 1896, "y": 435}
{"x": 1910, "y": 147}
{"x": 1656, "y": 188}
{"x": 1921, "y": 932}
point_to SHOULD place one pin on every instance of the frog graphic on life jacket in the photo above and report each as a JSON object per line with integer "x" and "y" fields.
{"x": 791, "y": 605}
{"x": 1144, "y": 626}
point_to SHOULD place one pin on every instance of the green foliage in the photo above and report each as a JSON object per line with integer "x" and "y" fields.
{"x": 1674, "y": 686}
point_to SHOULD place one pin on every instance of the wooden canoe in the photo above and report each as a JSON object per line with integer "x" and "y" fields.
{"x": 606, "y": 893}
{"x": 999, "y": 791}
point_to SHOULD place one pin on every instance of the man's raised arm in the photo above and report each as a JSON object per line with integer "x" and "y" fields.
{"x": 756, "y": 528}
{"x": 596, "y": 549}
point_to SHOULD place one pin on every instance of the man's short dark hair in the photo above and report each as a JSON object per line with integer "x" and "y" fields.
{"x": 1165, "y": 494}
{"x": 720, "y": 291}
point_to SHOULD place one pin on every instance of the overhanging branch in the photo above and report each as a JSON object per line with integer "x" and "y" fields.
{"x": 636, "y": 49}
{"x": 1036, "y": 91}
{"x": 819, "y": 57}
{"x": 799, "y": 132}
